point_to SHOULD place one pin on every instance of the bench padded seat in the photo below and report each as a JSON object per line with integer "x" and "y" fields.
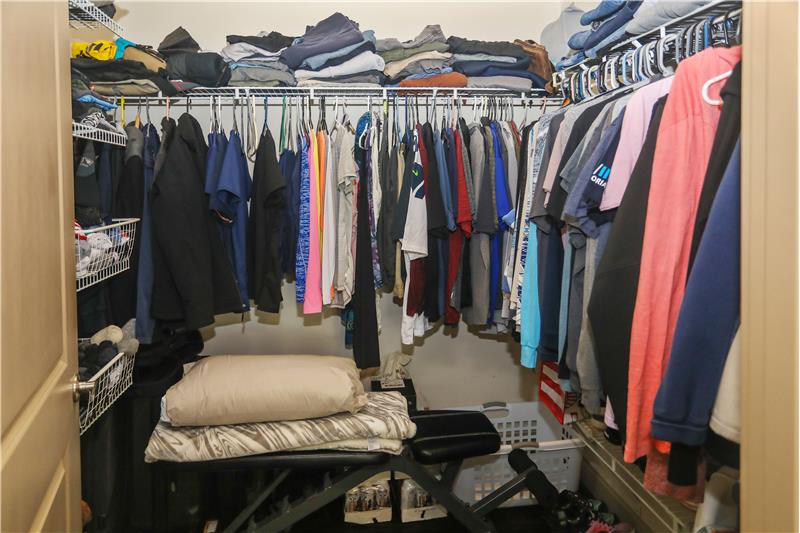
{"x": 451, "y": 435}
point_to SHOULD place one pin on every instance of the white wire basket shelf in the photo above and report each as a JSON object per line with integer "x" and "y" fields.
{"x": 84, "y": 14}
{"x": 109, "y": 384}
{"x": 103, "y": 251}
{"x": 96, "y": 134}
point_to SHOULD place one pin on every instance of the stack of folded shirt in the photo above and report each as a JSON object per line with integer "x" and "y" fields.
{"x": 185, "y": 62}
{"x": 256, "y": 60}
{"x": 89, "y": 107}
{"x": 608, "y": 21}
{"x": 655, "y": 13}
{"x": 494, "y": 64}
{"x": 122, "y": 77}
{"x": 334, "y": 51}
{"x": 425, "y": 57}
{"x": 540, "y": 60}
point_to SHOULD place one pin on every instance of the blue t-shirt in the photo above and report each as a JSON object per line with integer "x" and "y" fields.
{"x": 233, "y": 192}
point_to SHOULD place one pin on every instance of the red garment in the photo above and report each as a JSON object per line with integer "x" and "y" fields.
{"x": 451, "y": 79}
{"x": 683, "y": 148}
{"x": 416, "y": 276}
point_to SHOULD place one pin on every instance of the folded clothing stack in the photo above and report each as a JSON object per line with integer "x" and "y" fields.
{"x": 425, "y": 57}
{"x": 89, "y": 107}
{"x": 496, "y": 64}
{"x": 187, "y": 64}
{"x": 335, "y": 51}
{"x": 255, "y": 60}
{"x": 655, "y": 13}
{"x": 120, "y": 68}
{"x": 608, "y": 22}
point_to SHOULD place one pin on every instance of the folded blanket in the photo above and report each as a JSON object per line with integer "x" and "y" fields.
{"x": 384, "y": 417}
{"x": 399, "y": 54}
{"x": 394, "y": 68}
{"x": 337, "y": 57}
{"x": 451, "y": 79}
{"x": 511, "y": 83}
{"x": 429, "y": 34}
{"x": 332, "y": 33}
{"x": 362, "y": 62}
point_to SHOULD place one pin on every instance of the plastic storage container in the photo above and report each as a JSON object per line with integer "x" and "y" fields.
{"x": 556, "y": 450}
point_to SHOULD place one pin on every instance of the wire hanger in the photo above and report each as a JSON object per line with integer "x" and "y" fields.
{"x": 707, "y": 85}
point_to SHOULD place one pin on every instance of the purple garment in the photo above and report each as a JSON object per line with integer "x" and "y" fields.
{"x": 330, "y": 34}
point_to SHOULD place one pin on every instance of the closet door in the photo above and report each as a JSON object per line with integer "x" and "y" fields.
{"x": 40, "y": 484}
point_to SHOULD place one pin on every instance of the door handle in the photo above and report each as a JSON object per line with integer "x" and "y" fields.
{"x": 81, "y": 387}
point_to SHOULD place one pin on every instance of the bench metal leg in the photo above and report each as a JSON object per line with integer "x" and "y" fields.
{"x": 442, "y": 494}
{"x": 491, "y": 501}
{"x": 242, "y": 517}
{"x": 308, "y": 505}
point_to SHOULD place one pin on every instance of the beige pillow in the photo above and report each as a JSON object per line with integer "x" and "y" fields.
{"x": 236, "y": 389}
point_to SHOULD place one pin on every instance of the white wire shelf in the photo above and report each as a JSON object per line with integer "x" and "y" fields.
{"x": 104, "y": 251}
{"x": 96, "y": 134}
{"x": 716, "y": 9}
{"x": 343, "y": 91}
{"x": 108, "y": 385}
{"x": 84, "y": 14}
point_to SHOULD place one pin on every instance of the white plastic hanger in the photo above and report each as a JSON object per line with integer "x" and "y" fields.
{"x": 707, "y": 85}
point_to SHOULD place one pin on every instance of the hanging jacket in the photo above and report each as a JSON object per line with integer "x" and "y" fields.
{"x": 193, "y": 278}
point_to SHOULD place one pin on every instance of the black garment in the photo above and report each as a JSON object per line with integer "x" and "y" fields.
{"x": 551, "y": 257}
{"x": 272, "y": 42}
{"x": 288, "y": 161}
{"x": 728, "y": 131}
{"x": 387, "y": 164}
{"x": 610, "y": 309}
{"x": 437, "y": 230}
{"x": 205, "y": 69}
{"x": 193, "y": 277}
{"x": 87, "y": 192}
{"x": 120, "y": 70}
{"x": 178, "y": 42}
{"x": 128, "y": 203}
{"x": 459, "y": 45}
{"x": 366, "y": 350}
{"x": 265, "y": 228}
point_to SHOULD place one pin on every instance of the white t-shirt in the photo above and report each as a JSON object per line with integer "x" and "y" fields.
{"x": 414, "y": 245}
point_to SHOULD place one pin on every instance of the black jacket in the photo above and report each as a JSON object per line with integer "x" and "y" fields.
{"x": 265, "y": 228}
{"x": 193, "y": 277}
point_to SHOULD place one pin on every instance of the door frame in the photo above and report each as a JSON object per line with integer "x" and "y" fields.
{"x": 769, "y": 330}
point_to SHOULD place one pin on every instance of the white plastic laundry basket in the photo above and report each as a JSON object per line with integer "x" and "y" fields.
{"x": 528, "y": 425}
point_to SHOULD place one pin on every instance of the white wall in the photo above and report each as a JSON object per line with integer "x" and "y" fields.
{"x": 453, "y": 369}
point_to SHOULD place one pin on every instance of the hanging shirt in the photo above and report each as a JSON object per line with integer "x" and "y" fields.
{"x": 313, "y": 294}
{"x": 414, "y": 245}
{"x": 681, "y": 157}
{"x": 304, "y": 222}
{"x": 233, "y": 193}
{"x": 145, "y": 324}
{"x": 347, "y": 182}
{"x": 330, "y": 215}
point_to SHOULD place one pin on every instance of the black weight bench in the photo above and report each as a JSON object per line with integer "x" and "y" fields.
{"x": 444, "y": 438}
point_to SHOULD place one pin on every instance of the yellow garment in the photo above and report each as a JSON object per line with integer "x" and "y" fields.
{"x": 102, "y": 50}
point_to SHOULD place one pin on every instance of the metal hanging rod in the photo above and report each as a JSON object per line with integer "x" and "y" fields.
{"x": 345, "y": 91}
